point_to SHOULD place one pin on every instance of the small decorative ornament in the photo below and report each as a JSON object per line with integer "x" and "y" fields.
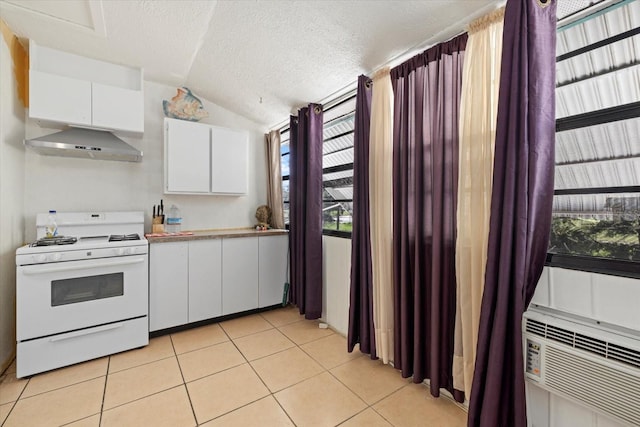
{"x": 184, "y": 106}
{"x": 263, "y": 215}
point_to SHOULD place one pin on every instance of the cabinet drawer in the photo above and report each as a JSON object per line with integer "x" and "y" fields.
{"x": 66, "y": 349}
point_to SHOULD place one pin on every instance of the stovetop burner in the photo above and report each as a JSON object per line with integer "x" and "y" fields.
{"x": 122, "y": 237}
{"x": 56, "y": 240}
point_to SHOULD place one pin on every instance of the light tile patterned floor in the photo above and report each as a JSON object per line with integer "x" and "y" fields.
{"x": 267, "y": 369}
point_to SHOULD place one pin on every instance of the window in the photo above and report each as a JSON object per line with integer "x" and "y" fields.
{"x": 596, "y": 206}
{"x": 337, "y": 168}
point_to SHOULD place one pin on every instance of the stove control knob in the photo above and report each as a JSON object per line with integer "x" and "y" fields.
{"x": 56, "y": 257}
{"x": 41, "y": 258}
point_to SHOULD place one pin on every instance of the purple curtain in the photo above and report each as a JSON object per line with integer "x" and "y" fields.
{"x": 305, "y": 214}
{"x": 425, "y": 174}
{"x": 520, "y": 209}
{"x": 361, "y": 328}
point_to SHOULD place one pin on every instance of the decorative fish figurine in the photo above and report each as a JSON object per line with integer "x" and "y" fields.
{"x": 185, "y": 106}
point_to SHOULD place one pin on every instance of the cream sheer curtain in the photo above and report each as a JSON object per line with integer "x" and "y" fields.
{"x": 274, "y": 178}
{"x": 381, "y": 208}
{"x": 478, "y": 111}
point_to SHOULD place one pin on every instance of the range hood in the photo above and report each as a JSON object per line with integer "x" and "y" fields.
{"x": 88, "y": 143}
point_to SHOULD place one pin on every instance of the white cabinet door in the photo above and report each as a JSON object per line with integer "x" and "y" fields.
{"x": 59, "y": 99}
{"x": 205, "y": 279}
{"x": 168, "y": 285}
{"x": 272, "y": 271}
{"x": 229, "y": 161}
{"x": 239, "y": 274}
{"x": 117, "y": 108}
{"x": 187, "y": 157}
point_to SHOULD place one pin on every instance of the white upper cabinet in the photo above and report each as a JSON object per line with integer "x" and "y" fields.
{"x": 107, "y": 112}
{"x": 70, "y": 89}
{"x": 187, "y": 153}
{"x": 203, "y": 159}
{"x": 229, "y": 158}
{"x": 59, "y": 99}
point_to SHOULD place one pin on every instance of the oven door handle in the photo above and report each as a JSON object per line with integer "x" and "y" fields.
{"x": 87, "y": 332}
{"x": 85, "y": 265}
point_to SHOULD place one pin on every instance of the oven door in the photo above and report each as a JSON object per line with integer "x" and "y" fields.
{"x": 66, "y": 296}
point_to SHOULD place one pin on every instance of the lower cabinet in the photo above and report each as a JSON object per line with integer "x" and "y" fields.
{"x": 205, "y": 279}
{"x": 273, "y": 269}
{"x": 168, "y": 285}
{"x": 197, "y": 280}
{"x": 239, "y": 274}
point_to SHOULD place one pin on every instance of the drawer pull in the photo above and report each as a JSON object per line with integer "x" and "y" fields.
{"x": 85, "y": 332}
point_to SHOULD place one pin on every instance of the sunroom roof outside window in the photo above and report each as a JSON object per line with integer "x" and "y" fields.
{"x": 597, "y": 175}
{"x": 337, "y": 166}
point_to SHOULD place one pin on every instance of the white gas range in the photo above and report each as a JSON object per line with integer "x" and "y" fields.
{"x": 83, "y": 294}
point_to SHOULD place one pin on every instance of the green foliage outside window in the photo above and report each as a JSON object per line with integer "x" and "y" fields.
{"x": 614, "y": 239}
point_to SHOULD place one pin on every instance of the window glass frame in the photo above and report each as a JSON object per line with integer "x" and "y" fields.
{"x": 338, "y": 112}
{"x": 597, "y": 117}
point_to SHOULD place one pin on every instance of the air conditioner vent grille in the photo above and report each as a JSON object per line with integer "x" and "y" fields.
{"x": 579, "y": 378}
{"x": 561, "y": 335}
{"x": 624, "y": 355}
{"x": 590, "y": 344}
{"x": 536, "y": 328}
{"x": 604, "y": 349}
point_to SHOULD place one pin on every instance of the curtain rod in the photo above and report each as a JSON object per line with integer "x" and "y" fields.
{"x": 330, "y": 105}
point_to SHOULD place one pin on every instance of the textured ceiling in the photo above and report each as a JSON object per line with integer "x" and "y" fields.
{"x": 261, "y": 59}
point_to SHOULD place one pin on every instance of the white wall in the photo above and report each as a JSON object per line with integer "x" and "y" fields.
{"x": 613, "y": 301}
{"x": 73, "y": 184}
{"x": 11, "y": 201}
{"x": 336, "y": 277}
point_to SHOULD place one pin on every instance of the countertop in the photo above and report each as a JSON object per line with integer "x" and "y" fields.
{"x": 216, "y": 234}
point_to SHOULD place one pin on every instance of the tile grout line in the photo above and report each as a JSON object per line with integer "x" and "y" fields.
{"x": 232, "y": 367}
{"x": 56, "y": 389}
{"x": 250, "y": 366}
{"x": 272, "y": 394}
{"x": 141, "y": 364}
{"x": 15, "y": 402}
{"x": 353, "y": 416}
{"x": 104, "y": 390}
{"x": 184, "y": 382}
{"x": 354, "y": 392}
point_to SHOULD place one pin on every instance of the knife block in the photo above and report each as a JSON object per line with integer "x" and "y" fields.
{"x": 157, "y": 225}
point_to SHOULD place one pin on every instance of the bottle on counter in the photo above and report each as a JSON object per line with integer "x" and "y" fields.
{"x": 52, "y": 225}
{"x": 174, "y": 220}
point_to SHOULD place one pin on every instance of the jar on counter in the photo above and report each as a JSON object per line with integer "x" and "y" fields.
{"x": 174, "y": 220}
{"x": 52, "y": 225}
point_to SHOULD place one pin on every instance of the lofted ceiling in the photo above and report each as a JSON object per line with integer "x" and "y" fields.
{"x": 259, "y": 58}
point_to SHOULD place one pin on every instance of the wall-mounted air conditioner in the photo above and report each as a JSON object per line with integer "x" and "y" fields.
{"x": 597, "y": 368}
